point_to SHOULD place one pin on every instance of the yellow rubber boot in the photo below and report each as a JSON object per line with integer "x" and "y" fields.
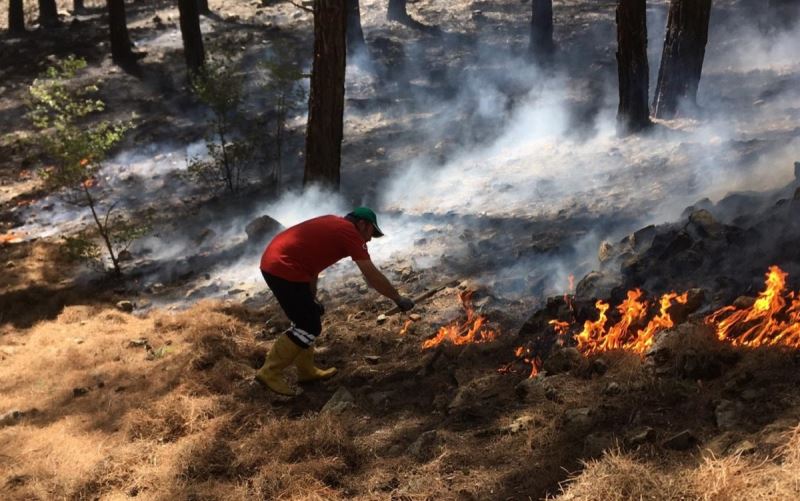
{"x": 307, "y": 371}
{"x": 282, "y": 354}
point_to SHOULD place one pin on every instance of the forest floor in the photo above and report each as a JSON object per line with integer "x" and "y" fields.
{"x": 110, "y": 390}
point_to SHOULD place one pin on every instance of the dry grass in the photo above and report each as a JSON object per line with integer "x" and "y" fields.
{"x": 623, "y": 476}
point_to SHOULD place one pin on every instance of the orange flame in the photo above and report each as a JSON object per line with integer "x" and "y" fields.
{"x": 773, "y": 319}
{"x": 89, "y": 182}
{"x": 767, "y": 322}
{"x": 10, "y": 238}
{"x": 525, "y": 354}
{"x": 470, "y": 331}
{"x": 633, "y": 311}
{"x": 406, "y": 325}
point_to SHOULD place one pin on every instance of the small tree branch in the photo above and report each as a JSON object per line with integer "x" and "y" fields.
{"x": 299, "y": 6}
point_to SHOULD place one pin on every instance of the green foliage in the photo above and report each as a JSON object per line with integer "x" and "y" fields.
{"x": 81, "y": 247}
{"x": 60, "y": 107}
{"x": 230, "y": 153}
{"x": 57, "y": 109}
{"x": 283, "y": 80}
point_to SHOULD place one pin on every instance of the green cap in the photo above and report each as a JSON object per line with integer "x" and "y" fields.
{"x": 367, "y": 214}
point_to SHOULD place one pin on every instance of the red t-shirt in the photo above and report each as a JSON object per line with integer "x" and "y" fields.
{"x": 299, "y": 253}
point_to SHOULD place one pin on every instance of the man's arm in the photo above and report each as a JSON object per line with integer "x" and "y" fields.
{"x": 378, "y": 280}
{"x": 380, "y": 283}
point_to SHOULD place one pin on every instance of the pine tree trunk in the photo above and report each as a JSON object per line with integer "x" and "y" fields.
{"x": 682, "y": 58}
{"x": 633, "y": 112}
{"x": 202, "y": 7}
{"x": 397, "y": 10}
{"x": 48, "y": 14}
{"x": 121, "y": 52}
{"x": 326, "y": 98}
{"x": 541, "y": 43}
{"x": 355, "y": 34}
{"x": 16, "y": 17}
{"x": 192, "y": 37}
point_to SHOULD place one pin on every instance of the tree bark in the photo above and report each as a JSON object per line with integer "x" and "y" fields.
{"x": 326, "y": 98}
{"x": 541, "y": 43}
{"x": 121, "y": 52}
{"x": 632, "y": 68}
{"x": 192, "y": 37}
{"x": 355, "y": 34}
{"x": 16, "y": 17}
{"x": 682, "y": 58}
{"x": 48, "y": 14}
{"x": 202, "y": 7}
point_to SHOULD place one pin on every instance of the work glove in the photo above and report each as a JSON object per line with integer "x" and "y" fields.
{"x": 404, "y": 303}
{"x": 320, "y": 307}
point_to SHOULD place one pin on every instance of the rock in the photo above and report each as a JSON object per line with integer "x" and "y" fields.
{"x": 372, "y": 359}
{"x": 382, "y": 318}
{"x": 578, "y": 420}
{"x": 681, "y": 441}
{"x": 79, "y": 392}
{"x": 744, "y": 302}
{"x": 562, "y": 360}
{"x": 11, "y": 417}
{"x": 125, "y": 255}
{"x": 743, "y": 448}
{"x": 605, "y": 252}
{"x": 612, "y": 388}
{"x": 597, "y": 284}
{"x": 341, "y": 401}
{"x": 139, "y": 342}
{"x": 10, "y": 264}
{"x": 260, "y": 229}
{"x": 720, "y": 444}
{"x": 703, "y": 222}
{"x": 550, "y": 393}
{"x": 728, "y": 415}
{"x": 521, "y": 423}
{"x": 125, "y": 306}
{"x": 596, "y": 443}
{"x": 599, "y": 366}
{"x": 640, "y": 436}
{"x": 416, "y": 317}
{"x": 204, "y": 235}
{"x": 380, "y": 398}
{"x": 530, "y": 389}
{"x": 424, "y": 446}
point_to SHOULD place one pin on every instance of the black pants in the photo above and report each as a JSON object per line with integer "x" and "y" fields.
{"x": 299, "y": 305}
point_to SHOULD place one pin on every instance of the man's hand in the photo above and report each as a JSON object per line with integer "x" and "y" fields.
{"x": 404, "y": 303}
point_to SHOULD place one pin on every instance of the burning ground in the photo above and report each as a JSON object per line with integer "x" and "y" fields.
{"x": 618, "y": 316}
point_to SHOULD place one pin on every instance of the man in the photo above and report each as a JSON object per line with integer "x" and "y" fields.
{"x": 291, "y": 264}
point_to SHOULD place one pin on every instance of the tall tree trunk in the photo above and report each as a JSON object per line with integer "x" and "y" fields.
{"x": 192, "y": 37}
{"x": 633, "y": 112}
{"x": 397, "y": 10}
{"x": 682, "y": 58}
{"x": 77, "y": 6}
{"x": 121, "y": 52}
{"x": 48, "y": 14}
{"x": 16, "y": 17}
{"x": 355, "y": 35}
{"x": 326, "y": 98}
{"x": 541, "y": 43}
{"x": 202, "y": 7}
